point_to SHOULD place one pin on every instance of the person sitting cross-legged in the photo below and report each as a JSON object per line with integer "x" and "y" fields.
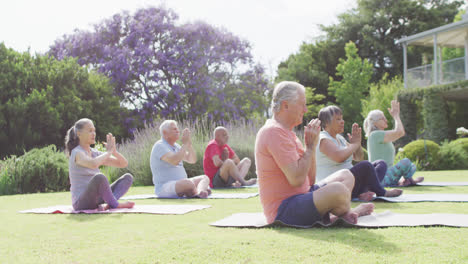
{"x": 335, "y": 153}
{"x": 380, "y": 146}
{"x": 222, "y": 165}
{"x": 286, "y": 170}
{"x": 90, "y": 189}
{"x": 166, "y": 162}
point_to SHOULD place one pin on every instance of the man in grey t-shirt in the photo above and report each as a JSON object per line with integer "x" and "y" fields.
{"x": 169, "y": 177}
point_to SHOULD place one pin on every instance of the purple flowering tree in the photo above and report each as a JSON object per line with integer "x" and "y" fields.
{"x": 162, "y": 68}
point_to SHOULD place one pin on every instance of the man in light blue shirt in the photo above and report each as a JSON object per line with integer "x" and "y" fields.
{"x": 169, "y": 177}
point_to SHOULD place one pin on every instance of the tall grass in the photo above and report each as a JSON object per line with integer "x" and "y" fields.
{"x": 138, "y": 150}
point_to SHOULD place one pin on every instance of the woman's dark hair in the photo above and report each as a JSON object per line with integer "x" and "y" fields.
{"x": 326, "y": 114}
{"x": 71, "y": 139}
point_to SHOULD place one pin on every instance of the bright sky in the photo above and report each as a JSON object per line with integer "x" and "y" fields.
{"x": 275, "y": 28}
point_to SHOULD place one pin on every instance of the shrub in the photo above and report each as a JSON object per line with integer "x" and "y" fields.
{"x": 425, "y": 153}
{"x": 138, "y": 151}
{"x": 463, "y": 142}
{"x": 453, "y": 156}
{"x": 41, "y": 98}
{"x": 38, "y": 170}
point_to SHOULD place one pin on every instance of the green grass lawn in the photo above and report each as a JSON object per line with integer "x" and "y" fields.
{"x": 145, "y": 238}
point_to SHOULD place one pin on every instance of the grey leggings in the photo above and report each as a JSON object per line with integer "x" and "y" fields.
{"x": 99, "y": 191}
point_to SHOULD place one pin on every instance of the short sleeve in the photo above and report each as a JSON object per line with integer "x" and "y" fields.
{"x": 377, "y": 136}
{"x": 282, "y": 147}
{"x": 212, "y": 150}
{"x": 160, "y": 150}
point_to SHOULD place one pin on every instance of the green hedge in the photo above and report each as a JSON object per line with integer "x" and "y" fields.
{"x": 454, "y": 155}
{"x": 425, "y": 153}
{"x": 38, "y": 170}
{"x": 438, "y": 115}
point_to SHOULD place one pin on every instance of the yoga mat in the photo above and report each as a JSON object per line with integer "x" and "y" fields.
{"x": 243, "y": 186}
{"x": 385, "y": 219}
{"x": 142, "y": 209}
{"x": 426, "y": 197}
{"x": 211, "y": 196}
{"x": 441, "y": 184}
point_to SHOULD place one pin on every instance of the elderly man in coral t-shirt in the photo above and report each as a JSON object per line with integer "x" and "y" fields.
{"x": 286, "y": 171}
{"x": 222, "y": 165}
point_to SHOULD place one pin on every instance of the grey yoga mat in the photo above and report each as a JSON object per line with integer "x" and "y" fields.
{"x": 211, "y": 196}
{"x": 441, "y": 184}
{"x": 385, "y": 219}
{"x": 425, "y": 197}
{"x": 142, "y": 209}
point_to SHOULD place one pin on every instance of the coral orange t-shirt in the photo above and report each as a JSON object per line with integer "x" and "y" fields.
{"x": 276, "y": 147}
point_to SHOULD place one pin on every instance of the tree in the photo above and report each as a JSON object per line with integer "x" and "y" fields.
{"x": 163, "y": 69}
{"x": 356, "y": 74}
{"x": 40, "y": 98}
{"x": 380, "y": 96}
{"x": 374, "y": 25}
{"x": 312, "y": 66}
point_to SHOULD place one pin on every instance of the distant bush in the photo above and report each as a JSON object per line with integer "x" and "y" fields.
{"x": 425, "y": 153}
{"x": 41, "y": 98}
{"x": 453, "y": 156}
{"x": 38, "y": 170}
{"x": 137, "y": 151}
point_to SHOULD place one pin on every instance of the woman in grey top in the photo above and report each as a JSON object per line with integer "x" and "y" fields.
{"x": 90, "y": 189}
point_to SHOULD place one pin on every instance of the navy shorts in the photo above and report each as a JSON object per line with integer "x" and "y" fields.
{"x": 218, "y": 182}
{"x": 300, "y": 210}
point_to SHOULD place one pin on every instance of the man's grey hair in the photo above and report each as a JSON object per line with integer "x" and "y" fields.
{"x": 326, "y": 115}
{"x": 285, "y": 91}
{"x": 218, "y": 129}
{"x": 371, "y": 119}
{"x": 165, "y": 125}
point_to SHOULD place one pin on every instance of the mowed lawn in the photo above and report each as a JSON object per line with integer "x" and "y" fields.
{"x": 145, "y": 238}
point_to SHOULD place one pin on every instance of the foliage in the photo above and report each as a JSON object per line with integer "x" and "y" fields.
{"x": 41, "y": 98}
{"x": 356, "y": 74}
{"x": 313, "y": 105}
{"x": 380, "y": 96}
{"x": 440, "y": 118}
{"x": 161, "y": 68}
{"x": 374, "y": 25}
{"x": 452, "y": 53}
{"x": 423, "y": 152}
{"x": 453, "y": 156}
{"x": 38, "y": 170}
{"x": 138, "y": 150}
{"x": 311, "y": 66}
{"x": 463, "y": 142}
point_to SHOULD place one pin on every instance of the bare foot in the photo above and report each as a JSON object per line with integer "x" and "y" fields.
{"x": 363, "y": 209}
{"x": 393, "y": 193}
{"x": 203, "y": 194}
{"x": 350, "y": 217}
{"x": 126, "y": 204}
{"x": 418, "y": 179}
{"x": 367, "y": 196}
{"x": 103, "y": 207}
{"x": 236, "y": 184}
{"x": 405, "y": 183}
{"x": 251, "y": 181}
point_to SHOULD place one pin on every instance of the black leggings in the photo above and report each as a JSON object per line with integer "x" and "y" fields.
{"x": 367, "y": 177}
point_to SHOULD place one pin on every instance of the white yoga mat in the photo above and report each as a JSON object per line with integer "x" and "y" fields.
{"x": 211, "y": 196}
{"x": 425, "y": 197}
{"x": 385, "y": 219}
{"x": 141, "y": 209}
{"x": 441, "y": 184}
